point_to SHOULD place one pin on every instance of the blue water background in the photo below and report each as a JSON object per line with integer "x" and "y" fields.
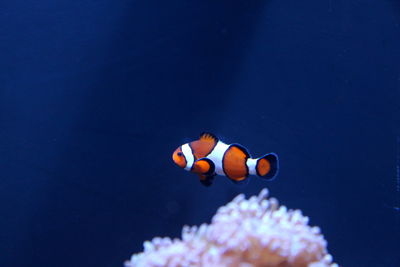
{"x": 95, "y": 96}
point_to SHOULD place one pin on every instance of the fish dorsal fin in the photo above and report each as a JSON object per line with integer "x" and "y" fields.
{"x": 205, "y": 136}
{"x": 202, "y": 147}
{"x": 242, "y": 148}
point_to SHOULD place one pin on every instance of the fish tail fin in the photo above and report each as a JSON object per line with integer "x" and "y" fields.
{"x": 267, "y": 166}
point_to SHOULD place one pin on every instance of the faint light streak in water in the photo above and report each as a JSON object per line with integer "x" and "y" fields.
{"x": 397, "y": 207}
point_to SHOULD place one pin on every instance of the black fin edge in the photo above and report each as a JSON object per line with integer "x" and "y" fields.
{"x": 212, "y": 166}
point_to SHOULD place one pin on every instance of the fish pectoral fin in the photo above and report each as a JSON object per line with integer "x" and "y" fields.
{"x": 206, "y": 180}
{"x": 205, "y": 169}
{"x": 203, "y": 166}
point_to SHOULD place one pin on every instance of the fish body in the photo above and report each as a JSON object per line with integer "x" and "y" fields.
{"x": 208, "y": 156}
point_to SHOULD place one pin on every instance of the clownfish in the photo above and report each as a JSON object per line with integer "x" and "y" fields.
{"x": 208, "y": 156}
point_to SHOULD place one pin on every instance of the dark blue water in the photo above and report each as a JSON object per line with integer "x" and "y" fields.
{"x": 95, "y": 96}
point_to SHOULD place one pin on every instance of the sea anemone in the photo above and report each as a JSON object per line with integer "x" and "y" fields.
{"x": 243, "y": 233}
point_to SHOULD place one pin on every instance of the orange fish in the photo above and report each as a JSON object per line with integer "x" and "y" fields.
{"x": 208, "y": 157}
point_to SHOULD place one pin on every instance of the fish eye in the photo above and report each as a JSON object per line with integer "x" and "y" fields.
{"x": 180, "y": 154}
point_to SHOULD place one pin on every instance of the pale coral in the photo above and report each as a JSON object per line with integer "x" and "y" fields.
{"x": 243, "y": 233}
